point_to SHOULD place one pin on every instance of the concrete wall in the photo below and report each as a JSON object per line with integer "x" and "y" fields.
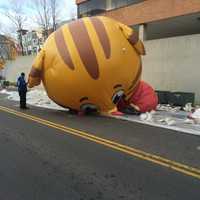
{"x": 13, "y": 68}
{"x": 173, "y": 64}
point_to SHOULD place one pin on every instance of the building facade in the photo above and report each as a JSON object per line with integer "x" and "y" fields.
{"x": 170, "y": 30}
{"x": 8, "y": 48}
{"x": 32, "y": 41}
{"x": 171, "y": 17}
{"x": 8, "y": 52}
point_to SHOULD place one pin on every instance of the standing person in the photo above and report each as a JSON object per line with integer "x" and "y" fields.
{"x": 22, "y": 89}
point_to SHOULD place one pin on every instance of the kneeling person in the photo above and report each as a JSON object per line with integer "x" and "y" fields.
{"x": 143, "y": 99}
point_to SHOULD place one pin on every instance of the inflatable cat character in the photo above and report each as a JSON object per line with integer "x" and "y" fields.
{"x": 89, "y": 63}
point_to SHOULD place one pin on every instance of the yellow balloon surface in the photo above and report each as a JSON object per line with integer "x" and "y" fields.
{"x": 89, "y": 63}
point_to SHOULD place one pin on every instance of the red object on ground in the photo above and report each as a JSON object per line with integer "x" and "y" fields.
{"x": 117, "y": 113}
{"x": 143, "y": 96}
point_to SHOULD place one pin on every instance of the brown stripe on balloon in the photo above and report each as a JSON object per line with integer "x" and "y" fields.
{"x": 135, "y": 80}
{"x": 143, "y": 49}
{"x": 102, "y": 34}
{"x": 63, "y": 48}
{"x": 84, "y": 46}
{"x": 35, "y": 72}
{"x": 133, "y": 39}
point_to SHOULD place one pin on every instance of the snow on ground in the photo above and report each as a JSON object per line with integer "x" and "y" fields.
{"x": 166, "y": 116}
{"x": 34, "y": 97}
{"x": 169, "y": 118}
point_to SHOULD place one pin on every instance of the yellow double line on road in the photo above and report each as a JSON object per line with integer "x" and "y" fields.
{"x": 185, "y": 169}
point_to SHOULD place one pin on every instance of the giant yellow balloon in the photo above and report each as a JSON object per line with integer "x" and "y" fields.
{"x": 89, "y": 63}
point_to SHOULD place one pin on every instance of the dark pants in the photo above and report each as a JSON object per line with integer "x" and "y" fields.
{"x": 22, "y": 96}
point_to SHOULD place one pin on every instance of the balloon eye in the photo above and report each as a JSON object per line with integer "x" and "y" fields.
{"x": 116, "y": 97}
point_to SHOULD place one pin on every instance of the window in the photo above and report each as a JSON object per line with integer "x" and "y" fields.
{"x": 118, "y": 3}
{"x": 92, "y": 7}
{"x": 95, "y": 7}
{"x": 122, "y": 3}
{"x": 173, "y": 27}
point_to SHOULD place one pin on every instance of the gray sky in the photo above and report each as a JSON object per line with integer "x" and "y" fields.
{"x": 67, "y": 9}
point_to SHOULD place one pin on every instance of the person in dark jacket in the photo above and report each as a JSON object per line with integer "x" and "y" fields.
{"x": 22, "y": 89}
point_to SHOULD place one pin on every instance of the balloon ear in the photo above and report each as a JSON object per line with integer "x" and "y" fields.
{"x": 34, "y": 78}
{"x": 137, "y": 43}
{"x": 133, "y": 38}
{"x": 139, "y": 47}
{"x": 36, "y": 70}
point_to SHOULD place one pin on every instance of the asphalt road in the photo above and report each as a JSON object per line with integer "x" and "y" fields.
{"x": 43, "y": 161}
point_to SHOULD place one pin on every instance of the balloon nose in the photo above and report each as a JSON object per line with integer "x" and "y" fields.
{"x": 89, "y": 108}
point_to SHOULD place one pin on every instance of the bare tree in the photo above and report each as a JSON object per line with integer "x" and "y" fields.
{"x": 43, "y": 16}
{"x": 46, "y": 15}
{"x": 16, "y": 16}
{"x": 54, "y": 7}
{"x": 73, "y": 15}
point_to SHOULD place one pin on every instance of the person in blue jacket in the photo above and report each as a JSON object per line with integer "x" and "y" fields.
{"x": 22, "y": 89}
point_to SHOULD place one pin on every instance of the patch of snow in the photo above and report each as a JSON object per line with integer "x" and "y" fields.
{"x": 197, "y": 120}
{"x": 168, "y": 118}
{"x": 188, "y": 107}
{"x": 146, "y": 116}
{"x": 13, "y": 96}
{"x": 170, "y": 122}
{"x": 34, "y": 97}
{"x": 189, "y": 121}
{"x": 196, "y": 114}
{"x": 168, "y": 108}
{"x": 4, "y": 91}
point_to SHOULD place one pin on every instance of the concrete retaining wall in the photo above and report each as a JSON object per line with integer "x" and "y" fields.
{"x": 173, "y": 64}
{"x": 14, "y": 68}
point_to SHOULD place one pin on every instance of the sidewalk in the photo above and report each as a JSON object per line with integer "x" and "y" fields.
{"x": 177, "y": 121}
